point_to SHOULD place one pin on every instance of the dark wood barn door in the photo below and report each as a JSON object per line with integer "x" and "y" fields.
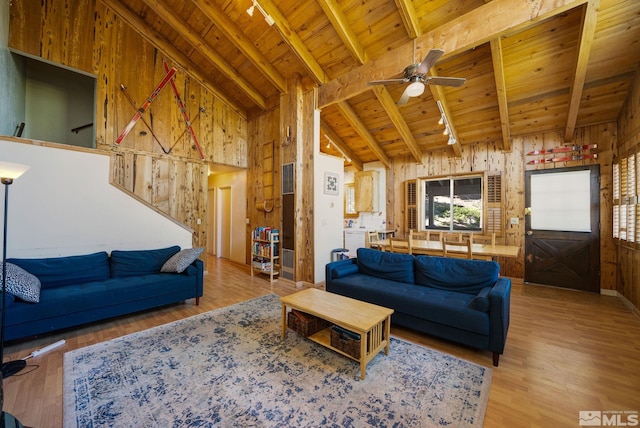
{"x": 562, "y": 242}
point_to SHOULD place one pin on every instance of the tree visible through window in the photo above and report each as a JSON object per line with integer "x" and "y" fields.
{"x": 453, "y": 204}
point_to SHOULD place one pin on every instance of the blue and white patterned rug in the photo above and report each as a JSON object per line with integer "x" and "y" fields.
{"x": 229, "y": 367}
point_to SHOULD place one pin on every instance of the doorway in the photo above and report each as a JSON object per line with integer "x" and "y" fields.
{"x": 562, "y": 241}
{"x": 223, "y": 229}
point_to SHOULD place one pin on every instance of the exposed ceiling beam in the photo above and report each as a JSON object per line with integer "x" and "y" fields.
{"x": 175, "y": 54}
{"x": 409, "y": 18}
{"x": 341, "y": 145}
{"x": 206, "y": 50}
{"x": 339, "y": 21}
{"x": 291, "y": 38}
{"x": 465, "y": 32}
{"x": 362, "y": 130}
{"x": 588, "y": 29}
{"x": 392, "y": 110}
{"x": 501, "y": 92}
{"x": 242, "y": 42}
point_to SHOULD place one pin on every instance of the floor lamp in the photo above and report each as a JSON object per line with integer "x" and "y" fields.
{"x": 8, "y": 173}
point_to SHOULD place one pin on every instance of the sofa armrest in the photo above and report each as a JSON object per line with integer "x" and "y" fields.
{"x": 500, "y": 302}
{"x": 339, "y": 269}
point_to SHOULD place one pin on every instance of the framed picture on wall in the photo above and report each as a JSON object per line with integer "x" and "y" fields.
{"x": 331, "y": 183}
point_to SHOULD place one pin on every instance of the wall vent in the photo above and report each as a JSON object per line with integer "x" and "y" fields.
{"x": 287, "y": 178}
{"x": 287, "y": 266}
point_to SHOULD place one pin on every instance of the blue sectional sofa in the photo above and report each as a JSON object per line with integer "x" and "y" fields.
{"x": 465, "y": 301}
{"x": 75, "y": 290}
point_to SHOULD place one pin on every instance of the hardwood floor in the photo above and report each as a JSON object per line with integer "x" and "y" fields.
{"x": 566, "y": 351}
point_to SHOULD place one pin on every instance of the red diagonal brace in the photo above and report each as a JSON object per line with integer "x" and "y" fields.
{"x": 146, "y": 104}
{"x": 183, "y": 109}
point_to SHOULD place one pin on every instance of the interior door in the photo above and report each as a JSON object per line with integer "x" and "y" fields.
{"x": 224, "y": 222}
{"x": 562, "y": 242}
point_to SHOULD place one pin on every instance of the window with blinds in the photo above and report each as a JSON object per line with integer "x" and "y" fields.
{"x": 626, "y": 207}
{"x": 423, "y": 200}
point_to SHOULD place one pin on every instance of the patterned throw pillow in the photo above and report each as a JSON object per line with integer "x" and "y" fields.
{"x": 22, "y": 284}
{"x": 180, "y": 261}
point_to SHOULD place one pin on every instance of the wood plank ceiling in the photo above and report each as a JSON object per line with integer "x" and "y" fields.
{"x": 530, "y": 67}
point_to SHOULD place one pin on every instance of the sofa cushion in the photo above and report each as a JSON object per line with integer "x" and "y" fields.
{"x": 22, "y": 284}
{"x": 481, "y": 301}
{"x": 344, "y": 270}
{"x": 58, "y": 271}
{"x": 392, "y": 266}
{"x": 139, "y": 262}
{"x": 438, "y": 306}
{"x": 460, "y": 275}
{"x": 181, "y": 260}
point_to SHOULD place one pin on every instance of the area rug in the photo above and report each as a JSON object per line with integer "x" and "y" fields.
{"x": 230, "y": 367}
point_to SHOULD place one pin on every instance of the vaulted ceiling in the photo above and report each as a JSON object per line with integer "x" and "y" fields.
{"x": 530, "y": 66}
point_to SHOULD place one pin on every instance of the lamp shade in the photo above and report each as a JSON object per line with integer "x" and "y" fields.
{"x": 12, "y": 170}
{"x": 415, "y": 89}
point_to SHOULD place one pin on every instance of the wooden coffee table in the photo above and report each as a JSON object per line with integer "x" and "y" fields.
{"x": 371, "y": 322}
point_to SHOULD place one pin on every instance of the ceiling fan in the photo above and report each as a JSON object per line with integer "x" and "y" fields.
{"x": 415, "y": 75}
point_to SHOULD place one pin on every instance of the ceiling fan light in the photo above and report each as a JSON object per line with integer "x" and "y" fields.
{"x": 415, "y": 89}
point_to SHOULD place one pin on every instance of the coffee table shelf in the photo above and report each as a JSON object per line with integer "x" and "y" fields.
{"x": 371, "y": 322}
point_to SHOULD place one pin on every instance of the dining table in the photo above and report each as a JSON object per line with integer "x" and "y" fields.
{"x": 479, "y": 251}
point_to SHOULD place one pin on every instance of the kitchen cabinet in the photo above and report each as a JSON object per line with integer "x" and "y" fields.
{"x": 366, "y": 190}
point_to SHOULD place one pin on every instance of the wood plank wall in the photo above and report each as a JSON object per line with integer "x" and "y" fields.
{"x": 168, "y": 173}
{"x": 629, "y": 142}
{"x": 513, "y": 164}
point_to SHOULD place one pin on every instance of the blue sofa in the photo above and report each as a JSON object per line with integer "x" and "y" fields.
{"x": 75, "y": 290}
{"x": 465, "y": 301}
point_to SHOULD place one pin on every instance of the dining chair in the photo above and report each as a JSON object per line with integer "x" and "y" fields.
{"x": 454, "y": 248}
{"x": 434, "y": 235}
{"x": 400, "y": 245}
{"x": 372, "y": 238}
{"x": 423, "y": 236}
{"x": 484, "y": 239}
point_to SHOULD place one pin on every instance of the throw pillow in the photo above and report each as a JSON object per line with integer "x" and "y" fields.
{"x": 22, "y": 284}
{"x": 181, "y": 260}
{"x": 481, "y": 301}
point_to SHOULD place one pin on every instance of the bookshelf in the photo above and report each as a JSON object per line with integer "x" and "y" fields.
{"x": 265, "y": 254}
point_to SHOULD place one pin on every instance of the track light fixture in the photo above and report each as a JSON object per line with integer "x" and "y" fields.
{"x": 447, "y": 129}
{"x": 330, "y": 142}
{"x": 252, "y": 8}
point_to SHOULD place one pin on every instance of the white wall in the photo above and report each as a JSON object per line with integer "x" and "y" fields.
{"x": 328, "y": 210}
{"x": 64, "y": 205}
{"x": 237, "y": 181}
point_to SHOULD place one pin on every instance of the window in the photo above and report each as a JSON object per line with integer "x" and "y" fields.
{"x": 452, "y": 203}
{"x": 350, "y": 201}
{"x": 626, "y": 195}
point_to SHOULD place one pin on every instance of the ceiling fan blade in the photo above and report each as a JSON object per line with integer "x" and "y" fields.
{"x": 387, "y": 81}
{"x": 404, "y": 98}
{"x": 429, "y": 61}
{"x": 445, "y": 81}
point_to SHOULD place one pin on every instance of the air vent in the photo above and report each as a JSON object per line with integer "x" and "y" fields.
{"x": 287, "y": 178}
{"x": 287, "y": 266}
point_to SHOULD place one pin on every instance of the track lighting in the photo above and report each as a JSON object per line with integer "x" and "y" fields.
{"x": 447, "y": 127}
{"x": 255, "y": 5}
{"x": 330, "y": 142}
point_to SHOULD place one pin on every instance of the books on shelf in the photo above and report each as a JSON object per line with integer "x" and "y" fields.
{"x": 264, "y": 234}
